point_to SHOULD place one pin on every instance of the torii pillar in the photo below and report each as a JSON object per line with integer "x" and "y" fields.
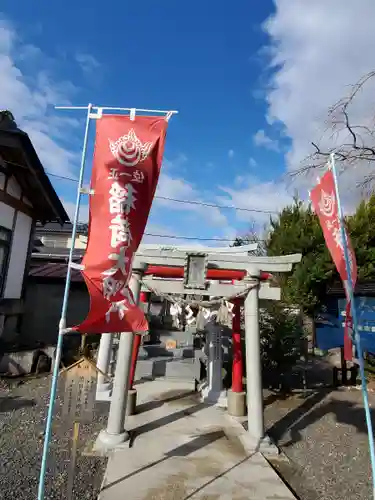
{"x": 254, "y": 389}
{"x": 115, "y": 432}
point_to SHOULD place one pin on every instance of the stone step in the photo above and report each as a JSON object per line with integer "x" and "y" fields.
{"x": 162, "y": 366}
{"x": 160, "y": 350}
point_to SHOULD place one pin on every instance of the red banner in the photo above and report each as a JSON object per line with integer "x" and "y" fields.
{"x": 323, "y": 198}
{"x": 126, "y": 167}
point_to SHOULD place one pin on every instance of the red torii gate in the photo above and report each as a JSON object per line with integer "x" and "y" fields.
{"x": 231, "y": 275}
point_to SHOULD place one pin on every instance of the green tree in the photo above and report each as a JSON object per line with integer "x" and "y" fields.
{"x": 361, "y": 228}
{"x": 297, "y": 230}
{"x": 282, "y": 342}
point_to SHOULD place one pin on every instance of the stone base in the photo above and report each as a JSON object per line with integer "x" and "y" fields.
{"x": 236, "y": 403}
{"x": 264, "y": 446}
{"x": 249, "y": 443}
{"x": 103, "y": 394}
{"x": 131, "y": 405}
{"x": 104, "y": 386}
{"x": 24, "y": 362}
{"x": 106, "y": 442}
{"x": 218, "y": 398}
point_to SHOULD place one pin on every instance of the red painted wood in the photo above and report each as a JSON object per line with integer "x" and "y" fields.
{"x": 237, "y": 367}
{"x": 143, "y": 297}
{"x": 212, "y": 274}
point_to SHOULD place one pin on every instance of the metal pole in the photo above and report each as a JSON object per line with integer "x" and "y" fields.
{"x": 254, "y": 393}
{"x": 104, "y": 358}
{"x": 115, "y": 432}
{"x": 357, "y": 338}
{"x": 109, "y": 108}
{"x": 62, "y": 324}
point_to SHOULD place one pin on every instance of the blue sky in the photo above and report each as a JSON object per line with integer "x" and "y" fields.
{"x": 240, "y": 75}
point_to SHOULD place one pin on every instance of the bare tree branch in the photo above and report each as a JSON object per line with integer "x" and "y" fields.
{"x": 356, "y": 142}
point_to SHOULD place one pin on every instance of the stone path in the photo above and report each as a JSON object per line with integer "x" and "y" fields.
{"x": 181, "y": 449}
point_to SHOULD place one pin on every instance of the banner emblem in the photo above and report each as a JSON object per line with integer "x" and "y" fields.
{"x": 327, "y": 204}
{"x": 129, "y": 150}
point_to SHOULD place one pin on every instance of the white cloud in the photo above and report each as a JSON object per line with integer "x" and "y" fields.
{"x": 87, "y": 62}
{"x": 178, "y": 188}
{"x": 256, "y": 195}
{"x": 262, "y": 140}
{"x": 230, "y": 153}
{"x": 252, "y": 162}
{"x": 317, "y": 49}
{"x": 7, "y": 36}
{"x": 30, "y": 97}
{"x": 173, "y": 188}
{"x": 249, "y": 193}
{"x": 239, "y": 179}
{"x": 158, "y": 235}
{"x": 70, "y": 207}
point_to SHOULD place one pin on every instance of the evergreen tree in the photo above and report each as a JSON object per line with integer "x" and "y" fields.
{"x": 361, "y": 228}
{"x": 297, "y": 230}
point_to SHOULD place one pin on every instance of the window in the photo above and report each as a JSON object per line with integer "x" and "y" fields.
{"x": 56, "y": 241}
{"x": 49, "y": 242}
{"x": 5, "y": 239}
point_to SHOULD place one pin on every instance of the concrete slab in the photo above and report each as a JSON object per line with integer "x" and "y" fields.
{"x": 182, "y": 449}
{"x": 265, "y": 446}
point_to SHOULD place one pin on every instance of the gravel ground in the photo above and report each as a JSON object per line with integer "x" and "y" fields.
{"x": 23, "y": 409}
{"x": 323, "y": 437}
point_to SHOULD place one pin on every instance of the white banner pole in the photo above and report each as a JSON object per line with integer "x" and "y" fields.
{"x": 62, "y": 324}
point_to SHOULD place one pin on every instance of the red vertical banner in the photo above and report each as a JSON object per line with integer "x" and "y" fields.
{"x": 323, "y": 199}
{"x": 127, "y": 161}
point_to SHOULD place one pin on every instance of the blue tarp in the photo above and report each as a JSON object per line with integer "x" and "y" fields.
{"x": 330, "y": 329}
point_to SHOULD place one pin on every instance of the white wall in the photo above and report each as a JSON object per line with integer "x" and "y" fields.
{"x": 64, "y": 241}
{"x": 81, "y": 242}
{"x": 20, "y": 241}
{"x": 20, "y": 244}
{"x": 6, "y": 216}
{"x": 13, "y": 188}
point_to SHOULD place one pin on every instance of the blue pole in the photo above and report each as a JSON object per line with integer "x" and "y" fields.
{"x": 62, "y": 324}
{"x": 357, "y": 338}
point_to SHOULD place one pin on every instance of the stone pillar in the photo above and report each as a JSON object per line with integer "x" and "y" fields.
{"x": 254, "y": 387}
{"x": 213, "y": 391}
{"x": 103, "y": 389}
{"x": 115, "y": 432}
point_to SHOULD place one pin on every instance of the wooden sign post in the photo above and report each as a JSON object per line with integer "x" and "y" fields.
{"x": 78, "y": 405}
